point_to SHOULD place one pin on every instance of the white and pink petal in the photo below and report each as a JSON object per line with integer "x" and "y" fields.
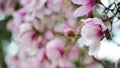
{"x": 81, "y": 11}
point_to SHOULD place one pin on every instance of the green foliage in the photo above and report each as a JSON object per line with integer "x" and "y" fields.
{"x": 4, "y": 36}
{"x": 4, "y": 33}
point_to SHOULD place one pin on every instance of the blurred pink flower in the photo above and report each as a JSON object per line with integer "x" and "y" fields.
{"x": 49, "y": 35}
{"x": 54, "y": 49}
{"x": 66, "y": 64}
{"x": 87, "y": 6}
{"x": 74, "y": 51}
{"x": 55, "y": 5}
{"x": 18, "y": 19}
{"x": 36, "y": 4}
{"x": 27, "y": 33}
{"x": 34, "y": 61}
{"x": 28, "y": 36}
{"x": 62, "y": 64}
{"x": 68, "y": 28}
{"x": 69, "y": 65}
{"x": 91, "y": 33}
{"x": 25, "y": 2}
{"x": 30, "y": 57}
{"x": 12, "y": 61}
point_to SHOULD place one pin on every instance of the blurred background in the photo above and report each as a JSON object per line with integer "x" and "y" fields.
{"x": 49, "y": 20}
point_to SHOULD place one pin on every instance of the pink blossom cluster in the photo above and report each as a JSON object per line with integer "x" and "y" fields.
{"x": 48, "y": 35}
{"x": 39, "y": 29}
{"x": 86, "y": 8}
{"x": 93, "y": 29}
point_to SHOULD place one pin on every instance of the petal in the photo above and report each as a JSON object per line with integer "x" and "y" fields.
{"x": 84, "y": 10}
{"x": 84, "y": 41}
{"x": 81, "y": 42}
{"x": 80, "y": 1}
{"x": 97, "y": 22}
{"x": 91, "y": 32}
{"x": 93, "y": 49}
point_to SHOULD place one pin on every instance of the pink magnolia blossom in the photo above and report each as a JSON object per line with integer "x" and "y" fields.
{"x": 74, "y": 50}
{"x": 49, "y": 35}
{"x": 66, "y": 64}
{"x": 91, "y": 33}
{"x": 69, "y": 65}
{"x": 34, "y": 61}
{"x": 39, "y": 27}
{"x": 34, "y": 8}
{"x": 36, "y": 4}
{"x": 68, "y": 29}
{"x": 62, "y": 64}
{"x": 27, "y": 33}
{"x": 12, "y": 61}
{"x": 31, "y": 63}
{"x": 18, "y": 19}
{"x": 55, "y": 5}
{"x": 25, "y": 2}
{"x": 87, "y": 6}
{"x": 28, "y": 36}
{"x": 54, "y": 49}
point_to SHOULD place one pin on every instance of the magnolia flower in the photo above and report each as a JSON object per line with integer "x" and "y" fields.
{"x": 12, "y": 61}
{"x": 27, "y": 34}
{"x": 87, "y": 6}
{"x": 18, "y": 19}
{"x": 55, "y": 5}
{"x": 54, "y": 49}
{"x": 91, "y": 33}
{"x": 33, "y": 61}
{"x": 73, "y": 51}
{"x": 68, "y": 29}
{"x": 34, "y": 8}
{"x": 62, "y": 64}
{"x": 49, "y": 35}
{"x": 26, "y": 2}
{"x": 33, "y": 4}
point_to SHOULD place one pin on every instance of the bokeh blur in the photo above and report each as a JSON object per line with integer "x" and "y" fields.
{"x": 59, "y": 33}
